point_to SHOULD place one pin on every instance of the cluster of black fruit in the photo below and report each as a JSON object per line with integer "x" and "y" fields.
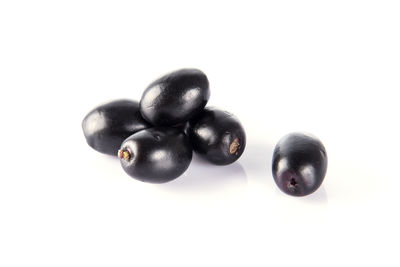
{"x": 155, "y": 138}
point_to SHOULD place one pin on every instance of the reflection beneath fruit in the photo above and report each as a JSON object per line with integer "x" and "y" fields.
{"x": 308, "y": 173}
{"x": 318, "y": 197}
{"x": 205, "y": 178}
{"x": 256, "y": 159}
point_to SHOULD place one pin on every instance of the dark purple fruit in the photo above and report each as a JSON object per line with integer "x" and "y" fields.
{"x": 299, "y": 164}
{"x": 175, "y": 98}
{"x": 156, "y": 155}
{"x": 217, "y": 136}
{"x": 108, "y": 125}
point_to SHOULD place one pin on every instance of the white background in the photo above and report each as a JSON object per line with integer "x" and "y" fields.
{"x": 330, "y": 68}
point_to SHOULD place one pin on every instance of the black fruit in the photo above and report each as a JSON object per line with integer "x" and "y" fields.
{"x": 217, "y": 136}
{"x": 299, "y": 164}
{"x": 175, "y": 98}
{"x": 108, "y": 125}
{"x": 156, "y": 155}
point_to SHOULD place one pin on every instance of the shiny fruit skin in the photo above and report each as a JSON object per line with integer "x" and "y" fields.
{"x": 299, "y": 164}
{"x": 175, "y": 97}
{"x": 108, "y": 125}
{"x": 156, "y": 155}
{"x": 217, "y": 136}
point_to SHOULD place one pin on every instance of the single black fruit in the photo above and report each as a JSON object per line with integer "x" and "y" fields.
{"x": 108, "y": 125}
{"x": 156, "y": 155}
{"x": 175, "y": 98}
{"x": 299, "y": 164}
{"x": 217, "y": 136}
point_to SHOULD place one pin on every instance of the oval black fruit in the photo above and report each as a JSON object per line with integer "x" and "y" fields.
{"x": 156, "y": 155}
{"x": 217, "y": 136}
{"x": 175, "y": 98}
{"x": 299, "y": 164}
{"x": 108, "y": 125}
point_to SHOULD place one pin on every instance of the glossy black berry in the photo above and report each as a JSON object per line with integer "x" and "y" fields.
{"x": 156, "y": 155}
{"x": 217, "y": 136}
{"x": 175, "y": 98}
{"x": 299, "y": 164}
{"x": 108, "y": 125}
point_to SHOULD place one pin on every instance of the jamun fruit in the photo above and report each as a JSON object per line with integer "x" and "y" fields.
{"x": 108, "y": 125}
{"x": 217, "y": 136}
{"x": 175, "y": 97}
{"x": 299, "y": 164}
{"x": 156, "y": 155}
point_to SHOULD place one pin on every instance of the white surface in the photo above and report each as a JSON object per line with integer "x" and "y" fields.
{"x": 326, "y": 67}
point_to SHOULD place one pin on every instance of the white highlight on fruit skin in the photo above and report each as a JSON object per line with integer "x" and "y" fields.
{"x": 190, "y": 96}
{"x": 95, "y": 122}
{"x": 308, "y": 174}
{"x": 159, "y": 155}
{"x": 207, "y": 134}
{"x": 282, "y": 166}
{"x": 150, "y": 97}
{"x": 161, "y": 160}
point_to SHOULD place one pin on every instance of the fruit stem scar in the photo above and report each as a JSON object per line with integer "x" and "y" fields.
{"x": 124, "y": 154}
{"x": 234, "y": 147}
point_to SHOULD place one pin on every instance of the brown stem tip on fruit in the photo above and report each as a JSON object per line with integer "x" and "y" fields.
{"x": 234, "y": 147}
{"x": 124, "y": 154}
